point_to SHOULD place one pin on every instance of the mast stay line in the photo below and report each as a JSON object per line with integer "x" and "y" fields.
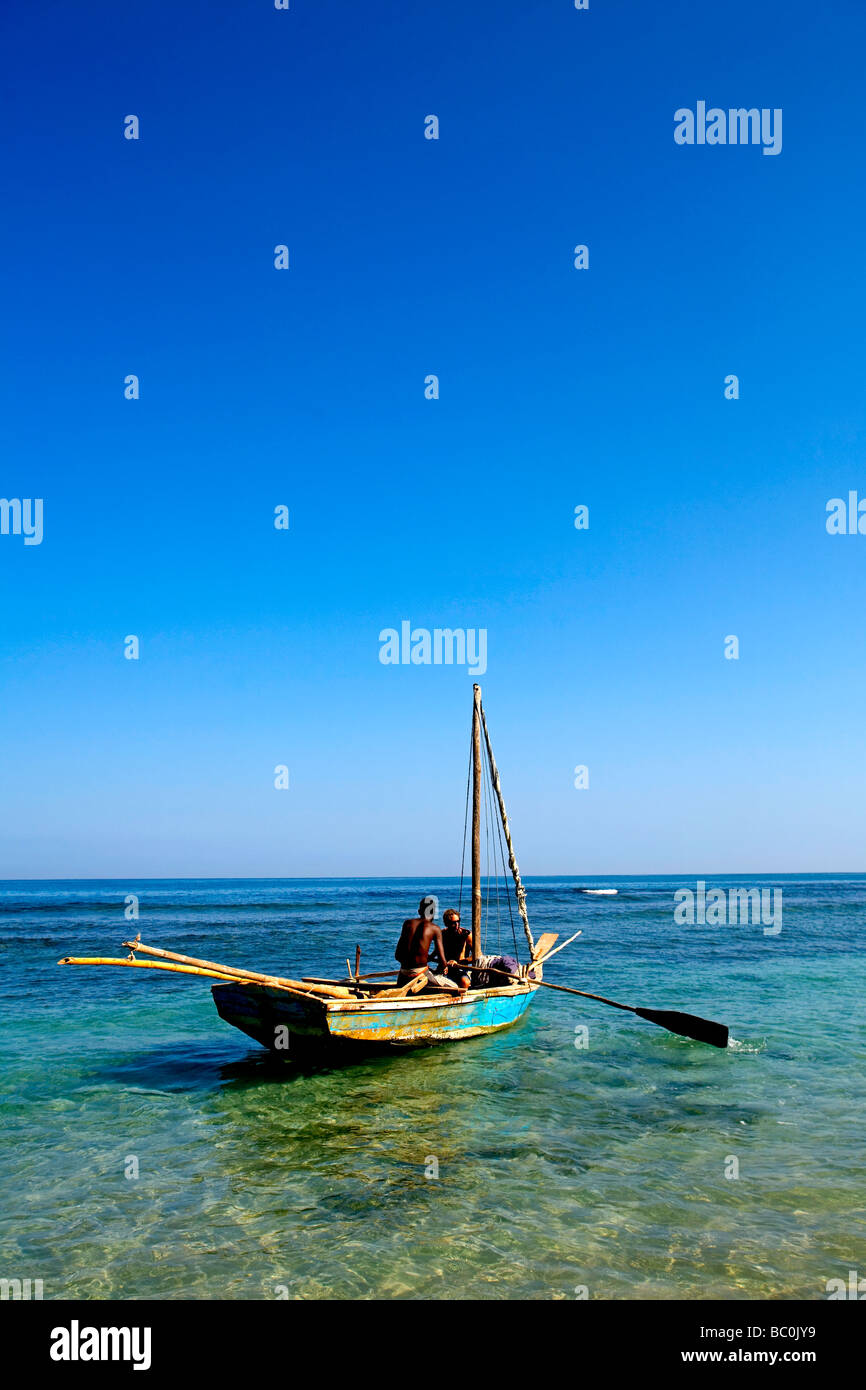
{"x": 476, "y": 822}
{"x": 519, "y": 890}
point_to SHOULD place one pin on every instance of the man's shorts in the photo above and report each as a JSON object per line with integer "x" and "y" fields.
{"x": 441, "y": 981}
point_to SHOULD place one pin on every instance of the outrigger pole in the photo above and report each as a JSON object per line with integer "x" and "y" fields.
{"x": 476, "y": 823}
{"x": 519, "y": 890}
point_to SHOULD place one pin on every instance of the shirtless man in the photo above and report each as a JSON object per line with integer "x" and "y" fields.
{"x": 457, "y": 942}
{"x": 418, "y": 936}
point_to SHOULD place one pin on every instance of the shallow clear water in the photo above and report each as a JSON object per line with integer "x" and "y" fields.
{"x": 558, "y": 1166}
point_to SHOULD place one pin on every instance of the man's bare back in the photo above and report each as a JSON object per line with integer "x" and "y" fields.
{"x": 416, "y": 938}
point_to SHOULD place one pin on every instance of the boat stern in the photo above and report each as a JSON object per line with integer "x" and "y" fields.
{"x": 269, "y": 1015}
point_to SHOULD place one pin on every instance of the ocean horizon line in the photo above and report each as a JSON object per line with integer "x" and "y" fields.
{"x": 443, "y": 878}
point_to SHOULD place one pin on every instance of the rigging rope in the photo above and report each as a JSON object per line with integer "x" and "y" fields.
{"x": 488, "y": 793}
{"x": 486, "y": 813}
{"x": 465, "y": 824}
{"x": 502, "y": 857}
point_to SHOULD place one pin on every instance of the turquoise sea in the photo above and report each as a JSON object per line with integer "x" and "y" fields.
{"x": 560, "y": 1168}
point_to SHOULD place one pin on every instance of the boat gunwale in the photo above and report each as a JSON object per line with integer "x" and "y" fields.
{"x": 430, "y": 1001}
{"x": 407, "y": 1005}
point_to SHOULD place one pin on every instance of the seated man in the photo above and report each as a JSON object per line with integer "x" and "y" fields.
{"x": 457, "y": 942}
{"x": 417, "y": 937}
{"x": 458, "y": 950}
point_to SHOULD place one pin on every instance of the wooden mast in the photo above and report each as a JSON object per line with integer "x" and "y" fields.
{"x": 519, "y": 890}
{"x": 476, "y": 823}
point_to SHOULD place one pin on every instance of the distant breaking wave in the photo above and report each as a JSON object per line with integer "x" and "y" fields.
{"x": 152, "y": 906}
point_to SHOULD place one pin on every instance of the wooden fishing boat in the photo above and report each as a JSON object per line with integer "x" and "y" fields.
{"x": 415, "y": 1019}
{"x": 295, "y": 1015}
{"x": 262, "y": 1012}
{"x": 291, "y": 1015}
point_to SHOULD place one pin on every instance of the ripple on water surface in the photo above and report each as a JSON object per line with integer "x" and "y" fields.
{"x": 519, "y": 1165}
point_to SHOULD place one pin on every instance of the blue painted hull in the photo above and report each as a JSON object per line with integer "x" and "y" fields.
{"x": 274, "y": 1017}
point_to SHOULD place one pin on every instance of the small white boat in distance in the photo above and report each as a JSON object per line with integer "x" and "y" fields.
{"x": 599, "y": 892}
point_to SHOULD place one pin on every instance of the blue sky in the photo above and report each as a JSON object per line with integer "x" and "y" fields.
{"x": 306, "y": 388}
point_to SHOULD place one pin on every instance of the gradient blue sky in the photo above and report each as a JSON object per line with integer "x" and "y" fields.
{"x": 306, "y": 388}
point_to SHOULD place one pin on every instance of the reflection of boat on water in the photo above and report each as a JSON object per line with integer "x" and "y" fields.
{"x": 282, "y": 1013}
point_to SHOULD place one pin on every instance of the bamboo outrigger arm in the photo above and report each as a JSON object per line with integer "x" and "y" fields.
{"x": 189, "y": 965}
{"x": 178, "y": 970}
{"x": 232, "y": 972}
{"x": 520, "y": 891}
{"x": 301, "y": 989}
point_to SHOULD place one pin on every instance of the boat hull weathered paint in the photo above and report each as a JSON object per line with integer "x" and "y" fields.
{"x": 266, "y": 1014}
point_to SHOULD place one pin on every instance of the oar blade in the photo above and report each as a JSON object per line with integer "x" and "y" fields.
{"x": 688, "y": 1025}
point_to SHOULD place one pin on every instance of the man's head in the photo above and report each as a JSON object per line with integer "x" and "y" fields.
{"x": 451, "y": 917}
{"x": 428, "y": 908}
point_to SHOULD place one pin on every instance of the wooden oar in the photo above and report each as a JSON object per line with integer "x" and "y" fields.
{"x": 416, "y": 984}
{"x": 687, "y": 1025}
{"x": 383, "y": 991}
{"x": 542, "y": 960}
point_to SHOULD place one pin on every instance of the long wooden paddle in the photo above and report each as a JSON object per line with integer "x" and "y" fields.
{"x": 687, "y": 1025}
